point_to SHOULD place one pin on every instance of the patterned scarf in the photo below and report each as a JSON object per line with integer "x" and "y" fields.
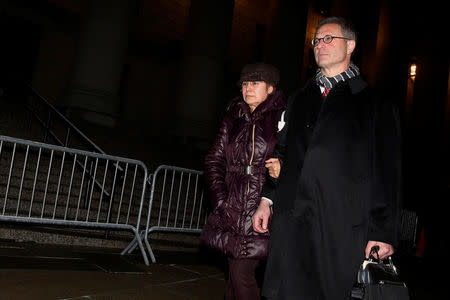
{"x": 329, "y": 82}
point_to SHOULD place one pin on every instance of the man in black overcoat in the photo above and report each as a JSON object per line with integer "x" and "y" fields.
{"x": 338, "y": 192}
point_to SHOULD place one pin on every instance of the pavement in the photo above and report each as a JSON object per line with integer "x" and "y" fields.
{"x": 35, "y": 271}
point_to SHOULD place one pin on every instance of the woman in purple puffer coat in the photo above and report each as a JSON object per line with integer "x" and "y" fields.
{"x": 235, "y": 170}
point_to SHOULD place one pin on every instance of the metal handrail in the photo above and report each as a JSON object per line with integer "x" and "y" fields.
{"x": 70, "y": 126}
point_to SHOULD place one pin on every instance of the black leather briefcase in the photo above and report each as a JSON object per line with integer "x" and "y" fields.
{"x": 379, "y": 280}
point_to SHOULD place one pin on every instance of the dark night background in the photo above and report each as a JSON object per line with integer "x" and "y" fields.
{"x": 149, "y": 79}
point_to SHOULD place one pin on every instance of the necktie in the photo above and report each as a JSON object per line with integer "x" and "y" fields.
{"x": 324, "y": 91}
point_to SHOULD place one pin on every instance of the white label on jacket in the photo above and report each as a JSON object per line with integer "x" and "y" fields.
{"x": 281, "y": 123}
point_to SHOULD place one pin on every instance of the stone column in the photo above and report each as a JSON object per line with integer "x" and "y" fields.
{"x": 92, "y": 93}
{"x": 200, "y": 88}
{"x": 383, "y": 51}
{"x": 369, "y": 44}
{"x": 286, "y": 42}
{"x": 341, "y": 8}
{"x": 447, "y": 116}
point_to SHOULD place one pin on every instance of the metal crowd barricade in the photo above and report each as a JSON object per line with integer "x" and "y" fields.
{"x": 176, "y": 204}
{"x": 52, "y": 185}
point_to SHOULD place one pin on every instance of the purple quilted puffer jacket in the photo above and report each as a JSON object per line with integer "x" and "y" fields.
{"x": 235, "y": 174}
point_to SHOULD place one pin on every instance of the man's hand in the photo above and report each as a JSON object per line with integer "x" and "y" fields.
{"x": 261, "y": 217}
{"x": 384, "y": 251}
{"x": 274, "y": 166}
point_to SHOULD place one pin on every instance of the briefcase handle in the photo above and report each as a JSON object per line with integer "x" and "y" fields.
{"x": 374, "y": 250}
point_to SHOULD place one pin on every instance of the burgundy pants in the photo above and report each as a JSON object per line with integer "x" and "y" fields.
{"x": 242, "y": 284}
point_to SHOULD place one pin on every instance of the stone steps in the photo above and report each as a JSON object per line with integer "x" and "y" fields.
{"x": 34, "y": 186}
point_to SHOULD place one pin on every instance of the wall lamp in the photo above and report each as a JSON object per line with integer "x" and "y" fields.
{"x": 412, "y": 70}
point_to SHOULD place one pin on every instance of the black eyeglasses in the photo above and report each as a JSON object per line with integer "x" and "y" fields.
{"x": 326, "y": 39}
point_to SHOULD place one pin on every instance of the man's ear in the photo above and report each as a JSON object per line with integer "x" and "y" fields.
{"x": 351, "y": 44}
{"x": 270, "y": 89}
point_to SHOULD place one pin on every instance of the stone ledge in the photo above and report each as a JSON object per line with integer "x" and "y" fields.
{"x": 64, "y": 236}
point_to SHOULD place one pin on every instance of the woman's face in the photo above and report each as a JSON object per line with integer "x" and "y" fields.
{"x": 255, "y": 92}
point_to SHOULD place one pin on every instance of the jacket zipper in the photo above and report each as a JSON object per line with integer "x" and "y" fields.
{"x": 253, "y": 154}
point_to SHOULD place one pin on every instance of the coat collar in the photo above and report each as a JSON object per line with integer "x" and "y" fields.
{"x": 239, "y": 108}
{"x": 355, "y": 85}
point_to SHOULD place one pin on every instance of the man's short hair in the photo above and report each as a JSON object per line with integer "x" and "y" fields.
{"x": 347, "y": 28}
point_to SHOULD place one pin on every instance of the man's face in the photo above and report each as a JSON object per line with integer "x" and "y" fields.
{"x": 255, "y": 92}
{"x": 333, "y": 58}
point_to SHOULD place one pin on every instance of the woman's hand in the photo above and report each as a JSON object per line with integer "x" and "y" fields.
{"x": 261, "y": 216}
{"x": 274, "y": 167}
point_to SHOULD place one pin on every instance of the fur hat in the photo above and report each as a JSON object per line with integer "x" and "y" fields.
{"x": 260, "y": 72}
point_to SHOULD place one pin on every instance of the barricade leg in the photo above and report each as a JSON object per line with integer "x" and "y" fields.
{"x": 144, "y": 255}
{"x": 149, "y": 249}
{"x": 132, "y": 245}
{"x": 137, "y": 241}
